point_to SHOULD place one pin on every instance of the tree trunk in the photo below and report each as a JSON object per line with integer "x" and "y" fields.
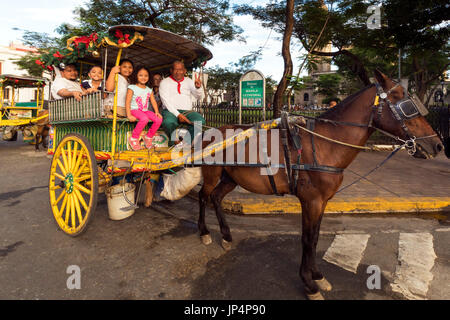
{"x": 286, "y": 52}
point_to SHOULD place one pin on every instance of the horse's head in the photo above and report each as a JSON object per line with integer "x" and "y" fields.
{"x": 403, "y": 116}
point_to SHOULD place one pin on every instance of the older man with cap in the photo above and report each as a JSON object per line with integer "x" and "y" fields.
{"x": 66, "y": 86}
{"x": 175, "y": 92}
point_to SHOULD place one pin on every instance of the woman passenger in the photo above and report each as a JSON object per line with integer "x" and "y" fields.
{"x": 124, "y": 70}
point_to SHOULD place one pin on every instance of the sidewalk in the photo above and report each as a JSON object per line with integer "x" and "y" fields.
{"x": 403, "y": 184}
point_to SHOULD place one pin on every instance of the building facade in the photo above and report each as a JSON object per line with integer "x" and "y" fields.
{"x": 8, "y": 54}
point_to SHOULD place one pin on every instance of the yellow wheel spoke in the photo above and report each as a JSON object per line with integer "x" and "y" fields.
{"x": 63, "y": 205}
{"x": 77, "y": 206}
{"x": 55, "y": 188}
{"x": 61, "y": 167}
{"x": 81, "y": 188}
{"x": 63, "y": 153}
{"x": 81, "y": 199}
{"x": 72, "y": 211}
{"x": 81, "y": 169}
{"x": 59, "y": 176}
{"x": 82, "y": 178}
{"x": 77, "y": 164}
{"x": 69, "y": 154}
{"x": 59, "y": 198}
{"x": 74, "y": 156}
{"x": 66, "y": 218}
{"x": 66, "y": 197}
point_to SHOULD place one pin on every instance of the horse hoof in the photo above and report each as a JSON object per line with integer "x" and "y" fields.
{"x": 226, "y": 245}
{"x": 206, "y": 239}
{"x": 323, "y": 284}
{"x": 315, "y": 296}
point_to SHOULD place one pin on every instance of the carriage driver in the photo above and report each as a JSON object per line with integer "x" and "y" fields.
{"x": 175, "y": 92}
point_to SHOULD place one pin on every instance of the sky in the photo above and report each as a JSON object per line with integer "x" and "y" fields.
{"x": 47, "y": 15}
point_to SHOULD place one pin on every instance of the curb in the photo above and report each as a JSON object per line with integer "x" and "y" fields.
{"x": 291, "y": 205}
{"x": 246, "y": 204}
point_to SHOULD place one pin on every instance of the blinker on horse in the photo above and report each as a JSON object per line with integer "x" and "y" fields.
{"x": 352, "y": 122}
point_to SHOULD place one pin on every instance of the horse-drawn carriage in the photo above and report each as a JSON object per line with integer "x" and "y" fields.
{"x": 89, "y": 147}
{"x": 16, "y": 115}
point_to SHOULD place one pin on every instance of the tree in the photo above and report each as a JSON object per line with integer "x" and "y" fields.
{"x": 419, "y": 29}
{"x": 286, "y": 53}
{"x": 204, "y": 21}
{"x": 328, "y": 85}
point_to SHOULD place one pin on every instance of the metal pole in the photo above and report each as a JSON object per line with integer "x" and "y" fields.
{"x": 399, "y": 64}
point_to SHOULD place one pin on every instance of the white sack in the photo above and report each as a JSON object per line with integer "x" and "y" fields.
{"x": 176, "y": 186}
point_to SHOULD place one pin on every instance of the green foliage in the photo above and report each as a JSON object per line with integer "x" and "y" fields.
{"x": 328, "y": 85}
{"x": 204, "y": 21}
{"x": 420, "y": 29}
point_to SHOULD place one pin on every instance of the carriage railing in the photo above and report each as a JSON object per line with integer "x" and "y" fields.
{"x": 89, "y": 108}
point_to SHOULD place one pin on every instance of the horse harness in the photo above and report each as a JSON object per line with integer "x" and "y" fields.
{"x": 405, "y": 109}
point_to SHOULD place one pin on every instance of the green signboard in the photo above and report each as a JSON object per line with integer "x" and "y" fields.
{"x": 252, "y": 93}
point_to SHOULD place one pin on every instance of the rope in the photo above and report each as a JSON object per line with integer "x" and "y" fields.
{"x": 339, "y": 142}
{"x": 378, "y": 166}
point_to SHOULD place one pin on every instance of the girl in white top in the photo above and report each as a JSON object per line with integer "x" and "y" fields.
{"x": 141, "y": 105}
{"x": 124, "y": 69}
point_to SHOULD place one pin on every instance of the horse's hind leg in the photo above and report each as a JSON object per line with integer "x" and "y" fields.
{"x": 317, "y": 276}
{"x": 211, "y": 176}
{"x": 225, "y": 186}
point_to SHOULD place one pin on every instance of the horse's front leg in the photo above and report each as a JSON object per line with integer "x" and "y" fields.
{"x": 312, "y": 210}
{"x": 225, "y": 186}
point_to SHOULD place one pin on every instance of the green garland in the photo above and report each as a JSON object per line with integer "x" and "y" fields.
{"x": 81, "y": 47}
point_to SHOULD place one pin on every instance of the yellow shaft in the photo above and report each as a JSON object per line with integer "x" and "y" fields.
{"x": 116, "y": 83}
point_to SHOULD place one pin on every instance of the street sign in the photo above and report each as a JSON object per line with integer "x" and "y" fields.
{"x": 252, "y": 92}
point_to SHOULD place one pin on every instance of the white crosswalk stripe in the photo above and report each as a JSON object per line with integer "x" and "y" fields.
{"x": 416, "y": 256}
{"x": 347, "y": 250}
{"x": 415, "y": 260}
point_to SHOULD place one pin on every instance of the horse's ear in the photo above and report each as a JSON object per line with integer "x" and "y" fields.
{"x": 381, "y": 77}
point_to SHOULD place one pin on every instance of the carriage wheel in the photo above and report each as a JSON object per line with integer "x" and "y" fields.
{"x": 73, "y": 184}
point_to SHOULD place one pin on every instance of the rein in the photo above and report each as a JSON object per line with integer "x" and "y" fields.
{"x": 409, "y": 144}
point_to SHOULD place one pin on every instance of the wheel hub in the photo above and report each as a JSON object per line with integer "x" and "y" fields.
{"x": 68, "y": 182}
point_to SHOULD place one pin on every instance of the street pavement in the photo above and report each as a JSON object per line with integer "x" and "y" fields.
{"x": 156, "y": 253}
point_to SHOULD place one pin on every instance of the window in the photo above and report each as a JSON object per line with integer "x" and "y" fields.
{"x": 306, "y": 97}
{"x": 35, "y": 94}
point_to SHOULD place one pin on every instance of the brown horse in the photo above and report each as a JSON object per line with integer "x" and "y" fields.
{"x": 42, "y": 130}
{"x": 352, "y": 121}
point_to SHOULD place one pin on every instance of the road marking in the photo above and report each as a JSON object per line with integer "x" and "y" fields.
{"x": 415, "y": 260}
{"x": 347, "y": 250}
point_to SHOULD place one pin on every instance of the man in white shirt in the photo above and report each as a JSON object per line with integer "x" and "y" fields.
{"x": 175, "y": 92}
{"x": 66, "y": 86}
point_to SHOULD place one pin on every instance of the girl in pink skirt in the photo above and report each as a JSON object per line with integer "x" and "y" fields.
{"x": 138, "y": 108}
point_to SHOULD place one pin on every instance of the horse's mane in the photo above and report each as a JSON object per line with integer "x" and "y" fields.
{"x": 336, "y": 111}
